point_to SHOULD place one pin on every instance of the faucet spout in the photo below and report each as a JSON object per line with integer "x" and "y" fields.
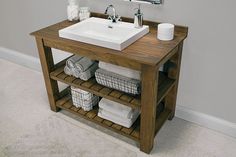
{"x": 114, "y": 18}
{"x": 113, "y": 9}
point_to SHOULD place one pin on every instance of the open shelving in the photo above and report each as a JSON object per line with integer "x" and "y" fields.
{"x": 134, "y": 101}
{"x": 133, "y": 132}
{"x": 157, "y": 101}
{"x": 65, "y": 102}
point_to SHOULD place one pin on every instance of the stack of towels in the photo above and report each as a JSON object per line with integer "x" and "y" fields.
{"x": 80, "y": 67}
{"x": 119, "y": 78}
{"x": 83, "y": 99}
{"x": 117, "y": 113}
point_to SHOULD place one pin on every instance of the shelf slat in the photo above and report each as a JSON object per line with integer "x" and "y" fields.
{"x": 133, "y": 132}
{"x": 66, "y": 104}
{"x": 165, "y": 84}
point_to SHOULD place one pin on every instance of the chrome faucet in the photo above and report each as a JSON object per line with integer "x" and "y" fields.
{"x": 114, "y": 18}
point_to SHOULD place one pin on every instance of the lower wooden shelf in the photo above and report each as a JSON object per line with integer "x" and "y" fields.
{"x": 132, "y": 133}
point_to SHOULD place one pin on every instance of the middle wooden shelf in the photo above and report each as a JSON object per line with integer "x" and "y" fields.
{"x": 134, "y": 101}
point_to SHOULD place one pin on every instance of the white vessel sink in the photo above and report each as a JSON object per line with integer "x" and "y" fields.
{"x": 103, "y": 32}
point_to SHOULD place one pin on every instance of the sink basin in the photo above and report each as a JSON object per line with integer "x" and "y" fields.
{"x": 102, "y": 32}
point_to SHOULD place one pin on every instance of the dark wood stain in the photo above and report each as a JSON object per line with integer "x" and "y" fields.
{"x": 159, "y": 89}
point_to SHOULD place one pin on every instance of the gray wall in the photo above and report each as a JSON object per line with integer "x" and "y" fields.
{"x": 207, "y": 81}
{"x": 18, "y": 18}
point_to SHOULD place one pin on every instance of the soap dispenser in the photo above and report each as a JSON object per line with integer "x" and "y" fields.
{"x": 138, "y": 18}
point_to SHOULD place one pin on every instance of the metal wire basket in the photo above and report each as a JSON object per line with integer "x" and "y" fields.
{"x": 83, "y": 99}
{"x": 118, "y": 82}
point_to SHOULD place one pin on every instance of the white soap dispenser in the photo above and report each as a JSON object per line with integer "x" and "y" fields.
{"x": 73, "y": 10}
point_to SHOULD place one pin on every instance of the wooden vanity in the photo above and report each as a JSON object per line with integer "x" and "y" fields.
{"x": 159, "y": 89}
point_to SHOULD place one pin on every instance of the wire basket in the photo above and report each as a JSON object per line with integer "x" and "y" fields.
{"x": 83, "y": 99}
{"x": 118, "y": 82}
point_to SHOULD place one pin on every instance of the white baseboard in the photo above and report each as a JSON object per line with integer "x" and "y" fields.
{"x": 205, "y": 120}
{"x": 20, "y": 58}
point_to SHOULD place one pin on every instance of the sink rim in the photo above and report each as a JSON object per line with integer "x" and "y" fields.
{"x": 124, "y": 42}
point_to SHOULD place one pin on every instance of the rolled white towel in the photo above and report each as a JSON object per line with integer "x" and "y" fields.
{"x": 116, "y": 108}
{"x": 83, "y": 64}
{"x": 72, "y": 60}
{"x": 90, "y": 72}
{"x": 75, "y": 72}
{"x": 68, "y": 71}
{"x": 130, "y": 73}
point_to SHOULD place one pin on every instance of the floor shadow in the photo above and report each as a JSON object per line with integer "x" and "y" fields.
{"x": 171, "y": 135}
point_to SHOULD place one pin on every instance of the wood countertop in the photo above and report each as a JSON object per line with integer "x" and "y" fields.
{"x": 147, "y": 50}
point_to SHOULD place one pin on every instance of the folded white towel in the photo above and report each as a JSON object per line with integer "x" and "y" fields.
{"x": 116, "y": 108}
{"x": 86, "y": 75}
{"x": 120, "y": 70}
{"x": 116, "y": 119}
{"x": 83, "y": 64}
{"x": 132, "y": 115}
{"x": 72, "y": 60}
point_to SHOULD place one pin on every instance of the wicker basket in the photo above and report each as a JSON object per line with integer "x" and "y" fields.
{"x": 83, "y": 99}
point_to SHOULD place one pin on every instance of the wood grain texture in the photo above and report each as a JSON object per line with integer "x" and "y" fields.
{"x": 133, "y": 132}
{"x": 148, "y": 107}
{"x": 47, "y": 64}
{"x": 173, "y": 73}
{"x": 147, "y": 50}
{"x": 178, "y": 28}
{"x": 66, "y": 104}
{"x": 134, "y": 101}
{"x": 146, "y": 54}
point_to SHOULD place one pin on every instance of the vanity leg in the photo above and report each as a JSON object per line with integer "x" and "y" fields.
{"x": 46, "y": 59}
{"x": 148, "y": 107}
{"x": 173, "y": 73}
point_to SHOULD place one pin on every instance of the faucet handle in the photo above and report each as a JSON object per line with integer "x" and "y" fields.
{"x": 111, "y": 18}
{"x": 118, "y": 18}
{"x": 114, "y": 19}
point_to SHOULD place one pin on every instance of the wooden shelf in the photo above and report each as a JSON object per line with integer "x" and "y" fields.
{"x": 165, "y": 84}
{"x": 132, "y": 133}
